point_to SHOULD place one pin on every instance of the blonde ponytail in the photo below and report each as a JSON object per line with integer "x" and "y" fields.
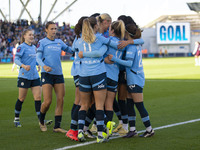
{"x": 122, "y": 29}
{"x": 87, "y": 32}
{"x": 119, "y": 29}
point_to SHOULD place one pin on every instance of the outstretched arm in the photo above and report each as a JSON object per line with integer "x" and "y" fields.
{"x": 127, "y": 63}
{"x": 123, "y": 44}
{"x": 96, "y": 53}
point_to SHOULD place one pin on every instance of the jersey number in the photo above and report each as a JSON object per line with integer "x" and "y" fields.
{"x": 140, "y": 58}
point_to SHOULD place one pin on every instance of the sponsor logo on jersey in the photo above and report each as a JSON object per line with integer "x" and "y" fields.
{"x": 101, "y": 86}
{"x": 18, "y": 49}
{"x": 129, "y": 52}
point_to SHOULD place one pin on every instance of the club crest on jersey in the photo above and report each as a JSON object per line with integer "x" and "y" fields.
{"x": 38, "y": 45}
{"x": 43, "y": 80}
{"x": 18, "y": 49}
{"x": 58, "y": 43}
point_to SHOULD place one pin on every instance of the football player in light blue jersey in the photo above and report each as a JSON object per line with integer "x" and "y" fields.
{"x": 135, "y": 79}
{"x": 92, "y": 78}
{"x": 122, "y": 128}
{"x": 28, "y": 75}
{"x": 73, "y": 132}
{"x": 48, "y": 56}
{"x": 116, "y": 32}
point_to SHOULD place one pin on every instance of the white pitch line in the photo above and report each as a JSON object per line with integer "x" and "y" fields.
{"x": 157, "y": 128}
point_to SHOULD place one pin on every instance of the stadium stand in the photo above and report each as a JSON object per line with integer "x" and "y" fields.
{"x": 10, "y": 33}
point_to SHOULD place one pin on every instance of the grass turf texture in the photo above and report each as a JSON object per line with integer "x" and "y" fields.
{"x": 171, "y": 95}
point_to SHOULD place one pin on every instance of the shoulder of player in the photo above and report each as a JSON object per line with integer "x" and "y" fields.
{"x": 131, "y": 48}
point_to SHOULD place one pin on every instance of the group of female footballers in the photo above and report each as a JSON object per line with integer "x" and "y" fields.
{"x": 107, "y": 60}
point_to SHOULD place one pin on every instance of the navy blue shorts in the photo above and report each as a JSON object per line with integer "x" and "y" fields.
{"x": 122, "y": 77}
{"x": 76, "y": 81}
{"x": 47, "y": 78}
{"x": 25, "y": 83}
{"x": 112, "y": 85}
{"x": 93, "y": 83}
{"x": 134, "y": 88}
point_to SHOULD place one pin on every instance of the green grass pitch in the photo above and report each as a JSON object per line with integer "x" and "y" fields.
{"x": 171, "y": 95}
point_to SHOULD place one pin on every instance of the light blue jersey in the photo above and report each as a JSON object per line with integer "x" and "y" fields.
{"x": 91, "y": 66}
{"x": 26, "y": 54}
{"x": 76, "y": 63}
{"x": 134, "y": 66}
{"x": 106, "y": 34}
{"x": 113, "y": 69}
{"x": 49, "y": 52}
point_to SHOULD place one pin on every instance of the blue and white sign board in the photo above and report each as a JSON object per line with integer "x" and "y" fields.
{"x": 173, "y": 33}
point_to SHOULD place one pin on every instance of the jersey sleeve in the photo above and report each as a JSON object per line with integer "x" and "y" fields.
{"x": 138, "y": 41}
{"x": 17, "y": 61}
{"x": 96, "y": 53}
{"x": 66, "y": 48}
{"x": 39, "y": 58}
{"x": 127, "y": 63}
{"x": 20, "y": 51}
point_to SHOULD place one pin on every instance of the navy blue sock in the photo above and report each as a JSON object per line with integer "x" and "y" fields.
{"x": 93, "y": 109}
{"x": 81, "y": 119}
{"x": 18, "y": 107}
{"x": 37, "y": 107}
{"x": 57, "y": 121}
{"x": 72, "y": 110}
{"x": 100, "y": 120}
{"x": 74, "y": 120}
{"x": 143, "y": 113}
{"x": 117, "y": 109}
{"x": 89, "y": 117}
{"x": 131, "y": 112}
{"x": 42, "y": 117}
{"x": 109, "y": 116}
{"x": 123, "y": 108}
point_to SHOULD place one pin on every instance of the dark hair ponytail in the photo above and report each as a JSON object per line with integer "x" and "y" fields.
{"x": 133, "y": 31}
{"x": 78, "y": 26}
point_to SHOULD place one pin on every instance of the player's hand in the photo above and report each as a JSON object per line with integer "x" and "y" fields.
{"x": 80, "y": 54}
{"x": 107, "y": 61}
{"x": 47, "y": 68}
{"x": 122, "y": 44}
{"x": 110, "y": 57}
{"x": 39, "y": 68}
{"x": 26, "y": 67}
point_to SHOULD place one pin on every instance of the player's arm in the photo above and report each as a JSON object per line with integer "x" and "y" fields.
{"x": 127, "y": 63}
{"x": 41, "y": 63}
{"x": 66, "y": 48}
{"x": 17, "y": 59}
{"x": 123, "y": 44}
{"x": 95, "y": 53}
{"x": 111, "y": 43}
